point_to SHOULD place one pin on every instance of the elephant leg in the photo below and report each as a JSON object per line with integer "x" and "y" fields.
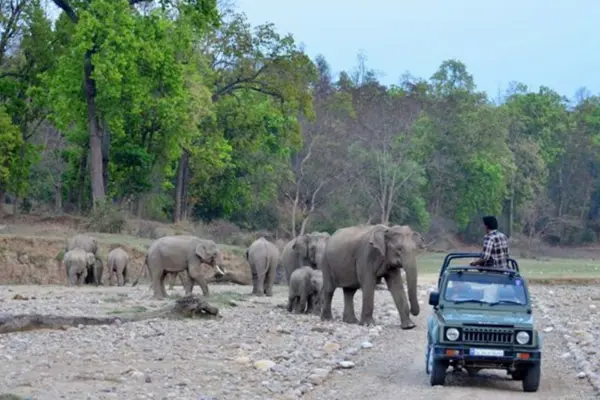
{"x": 368, "y": 301}
{"x": 120, "y": 277}
{"x": 349, "y": 315}
{"x": 157, "y": 277}
{"x": 310, "y": 304}
{"x": 254, "y": 278}
{"x": 111, "y": 273}
{"x": 186, "y": 282}
{"x": 71, "y": 277}
{"x": 300, "y": 304}
{"x": 82, "y": 276}
{"x": 290, "y": 305}
{"x": 171, "y": 280}
{"x": 195, "y": 274}
{"x": 396, "y": 287}
{"x": 270, "y": 279}
{"x": 326, "y": 314}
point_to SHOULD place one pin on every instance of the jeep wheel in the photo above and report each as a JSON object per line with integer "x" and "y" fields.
{"x": 437, "y": 369}
{"x": 428, "y": 362}
{"x": 531, "y": 378}
{"x": 518, "y": 374}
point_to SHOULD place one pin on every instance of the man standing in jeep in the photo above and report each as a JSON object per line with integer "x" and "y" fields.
{"x": 495, "y": 245}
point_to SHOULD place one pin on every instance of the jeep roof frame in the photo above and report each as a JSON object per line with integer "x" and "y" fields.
{"x": 512, "y": 270}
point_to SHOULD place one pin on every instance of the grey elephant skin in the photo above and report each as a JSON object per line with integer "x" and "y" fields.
{"x": 94, "y": 275}
{"x": 263, "y": 257}
{"x": 305, "y": 291}
{"x": 117, "y": 266}
{"x": 356, "y": 256}
{"x": 280, "y": 273}
{"x": 181, "y": 254}
{"x": 304, "y": 250}
{"x": 77, "y": 262}
{"x": 90, "y": 245}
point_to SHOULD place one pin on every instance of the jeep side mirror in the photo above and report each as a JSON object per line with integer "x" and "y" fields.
{"x": 434, "y": 298}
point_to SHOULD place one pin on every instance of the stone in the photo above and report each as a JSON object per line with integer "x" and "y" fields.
{"x": 346, "y": 364}
{"x": 366, "y": 345}
{"x": 264, "y": 365}
{"x": 331, "y": 347}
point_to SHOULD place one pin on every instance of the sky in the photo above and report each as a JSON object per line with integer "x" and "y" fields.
{"x": 554, "y": 43}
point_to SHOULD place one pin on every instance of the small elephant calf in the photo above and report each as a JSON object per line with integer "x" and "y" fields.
{"x": 305, "y": 291}
{"x": 77, "y": 263}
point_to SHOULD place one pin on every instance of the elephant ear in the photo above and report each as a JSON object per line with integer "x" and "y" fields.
{"x": 377, "y": 239}
{"x": 91, "y": 258}
{"x": 301, "y": 242}
{"x": 206, "y": 251}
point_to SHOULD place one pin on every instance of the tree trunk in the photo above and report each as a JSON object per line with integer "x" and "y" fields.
{"x": 95, "y": 130}
{"x": 58, "y": 194}
{"x": 105, "y": 158}
{"x": 82, "y": 172}
{"x": 179, "y": 186}
{"x": 1, "y": 200}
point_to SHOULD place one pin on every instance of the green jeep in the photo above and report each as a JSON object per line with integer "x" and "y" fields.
{"x": 482, "y": 320}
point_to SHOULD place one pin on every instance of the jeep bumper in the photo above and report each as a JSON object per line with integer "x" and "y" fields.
{"x": 468, "y": 355}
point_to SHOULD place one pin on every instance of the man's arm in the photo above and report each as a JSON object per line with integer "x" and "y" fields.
{"x": 488, "y": 245}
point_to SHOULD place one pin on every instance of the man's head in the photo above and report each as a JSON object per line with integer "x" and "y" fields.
{"x": 490, "y": 223}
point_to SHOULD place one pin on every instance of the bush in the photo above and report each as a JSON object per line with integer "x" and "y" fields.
{"x": 107, "y": 218}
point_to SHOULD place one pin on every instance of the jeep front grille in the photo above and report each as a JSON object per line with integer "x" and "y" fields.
{"x": 488, "y": 335}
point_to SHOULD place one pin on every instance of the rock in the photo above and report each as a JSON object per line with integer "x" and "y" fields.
{"x": 331, "y": 347}
{"x": 318, "y": 375}
{"x": 366, "y": 345}
{"x": 264, "y": 365}
{"x": 346, "y": 364}
{"x": 548, "y": 329}
{"x": 581, "y": 375}
{"x": 148, "y": 379}
{"x": 243, "y": 360}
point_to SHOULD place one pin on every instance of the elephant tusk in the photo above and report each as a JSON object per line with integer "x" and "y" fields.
{"x": 219, "y": 270}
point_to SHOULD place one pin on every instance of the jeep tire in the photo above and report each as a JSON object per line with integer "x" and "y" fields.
{"x": 531, "y": 378}
{"x": 519, "y": 374}
{"x": 437, "y": 375}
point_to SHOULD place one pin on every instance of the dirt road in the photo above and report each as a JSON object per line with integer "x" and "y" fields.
{"x": 259, "y": 351}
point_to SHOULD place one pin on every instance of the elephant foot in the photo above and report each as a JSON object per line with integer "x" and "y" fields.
{"x": 350, "y": 319}
{"x": 326, "y": 316}
{"x": 407, "y": 325}
{"x": 367, "y": 321}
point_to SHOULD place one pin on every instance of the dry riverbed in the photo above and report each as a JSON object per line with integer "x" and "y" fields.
{"x": 259, "y": 351}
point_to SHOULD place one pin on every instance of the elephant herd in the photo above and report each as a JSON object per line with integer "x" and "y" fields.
{"x": 83, "y": 264}
{"x": 315, "y": 265}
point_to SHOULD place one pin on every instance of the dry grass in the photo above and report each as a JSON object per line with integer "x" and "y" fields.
{"x": 546, "y": 271}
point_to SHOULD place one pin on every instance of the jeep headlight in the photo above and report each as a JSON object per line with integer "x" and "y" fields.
{"x": 523, "y": 337}
{"x": 452, "y": 334}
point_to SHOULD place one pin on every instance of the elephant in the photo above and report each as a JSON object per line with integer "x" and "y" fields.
{"x": 117, "y": 265}
{"x": 306, "y": 249}
{"x": 85, "y": 242}
{"x": 263, "y": 257}
{"x": 181, "y": 253}
{"x": 94, "y": 275}
{"x": 305, "y": 291}
{"x": 279, "y": 272}
{"x": 77, "y": 262}
{"x": 356, "y": 256}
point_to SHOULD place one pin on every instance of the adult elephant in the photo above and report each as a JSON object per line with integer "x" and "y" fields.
{"x": 85, "y": 242}
{"x": 263, "y": 257}
{"x": 179, "y": 253}
{"x": 356, "y": 256}
{"x": 303, "y": 250}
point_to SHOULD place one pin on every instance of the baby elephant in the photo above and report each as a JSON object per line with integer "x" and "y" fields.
{"x": 117, "y": 264}
{"x": 305, "y": 290}
{"x": 77, "y": 262}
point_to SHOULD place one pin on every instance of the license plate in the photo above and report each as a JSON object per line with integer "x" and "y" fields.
{"x": 486, "y": 352}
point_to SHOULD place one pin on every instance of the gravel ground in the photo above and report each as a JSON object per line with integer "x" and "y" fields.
{"x": 259, "y": 351}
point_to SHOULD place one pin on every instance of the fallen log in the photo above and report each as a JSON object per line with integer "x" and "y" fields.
{"x": 229, "y": 278}
{"x": 185, "y": 307}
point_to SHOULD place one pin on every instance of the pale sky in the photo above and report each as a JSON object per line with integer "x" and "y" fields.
{"x": 555, "y": 43}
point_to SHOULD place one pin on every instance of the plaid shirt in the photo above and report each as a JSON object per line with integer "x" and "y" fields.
{"x": 495, "y": 250}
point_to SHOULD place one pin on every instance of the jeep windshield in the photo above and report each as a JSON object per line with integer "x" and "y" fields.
{"x": 485, "y": 288}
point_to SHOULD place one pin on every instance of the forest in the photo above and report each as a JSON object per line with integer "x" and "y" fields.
{"x": 175, "y": 110}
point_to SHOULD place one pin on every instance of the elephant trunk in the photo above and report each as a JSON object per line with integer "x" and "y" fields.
{"x": 410, "y": 269}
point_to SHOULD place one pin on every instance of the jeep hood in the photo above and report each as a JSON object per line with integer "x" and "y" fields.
{"x": 488, "y": 317}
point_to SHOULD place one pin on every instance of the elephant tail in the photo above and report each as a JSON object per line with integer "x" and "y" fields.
{"x": 142, "y": 271}
{"x": 246, "y": 254}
